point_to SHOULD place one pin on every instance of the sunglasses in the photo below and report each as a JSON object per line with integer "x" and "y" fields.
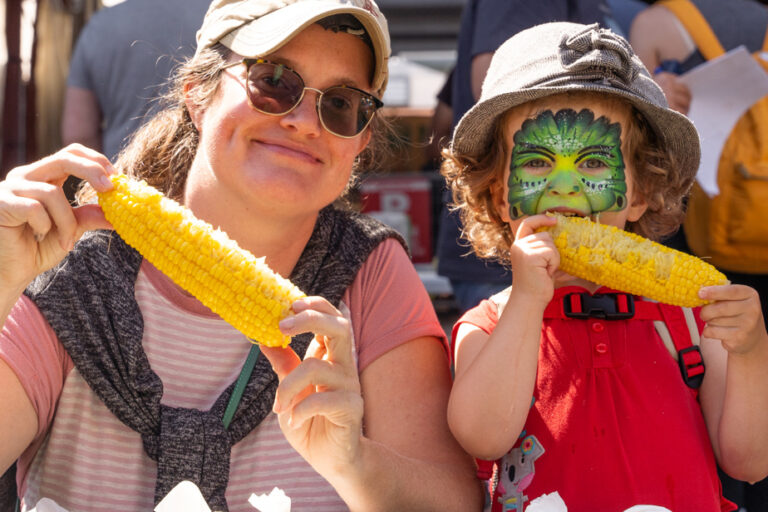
{"x": 276, "y": 89}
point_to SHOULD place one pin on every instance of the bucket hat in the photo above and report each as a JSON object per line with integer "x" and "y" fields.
{"x": 255, "y": 28}
{"x": 559, "y": 57}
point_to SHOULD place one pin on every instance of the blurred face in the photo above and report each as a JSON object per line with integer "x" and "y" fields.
{"x": 567, "y": 155}
{"x": 284, "y": 163}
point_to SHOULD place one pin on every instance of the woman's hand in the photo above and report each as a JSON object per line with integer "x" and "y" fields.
{"x": 734, "y": 317}
{"x": 318, "y": 403}
{"x": 38, "y": 226}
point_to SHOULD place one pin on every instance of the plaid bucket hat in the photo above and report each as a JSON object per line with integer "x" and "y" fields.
{"x": 256, "y": 28}
{"x": 561, "y": 57}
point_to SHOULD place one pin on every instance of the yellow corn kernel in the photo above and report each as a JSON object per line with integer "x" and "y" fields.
{"x": 627, "y": 262}
{"x": 230, "y": 281}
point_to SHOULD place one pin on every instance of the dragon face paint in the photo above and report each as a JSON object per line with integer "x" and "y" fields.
{"x": 569, "y": 161}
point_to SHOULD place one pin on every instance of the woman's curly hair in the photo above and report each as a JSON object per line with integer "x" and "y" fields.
{"x": 476, "y": 183}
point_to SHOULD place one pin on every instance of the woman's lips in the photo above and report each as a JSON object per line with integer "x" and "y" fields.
{"x": 290, "y": 150}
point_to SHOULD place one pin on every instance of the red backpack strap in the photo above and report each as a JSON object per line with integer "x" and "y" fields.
{"x": 680, "y": 329}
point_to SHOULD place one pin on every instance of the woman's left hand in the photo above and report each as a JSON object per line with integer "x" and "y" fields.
{"x": 318, "y": 402}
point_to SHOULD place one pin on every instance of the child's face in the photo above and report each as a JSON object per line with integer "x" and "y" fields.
{"x": 569, "y": 154}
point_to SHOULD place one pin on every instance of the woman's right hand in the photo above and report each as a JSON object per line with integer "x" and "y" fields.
{"x": 38, "y": 226}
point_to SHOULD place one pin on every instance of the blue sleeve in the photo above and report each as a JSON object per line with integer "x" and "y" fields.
{"x": 498, "y": 20}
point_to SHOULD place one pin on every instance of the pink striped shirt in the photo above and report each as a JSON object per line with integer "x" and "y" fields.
{"x": 85, "y": 459}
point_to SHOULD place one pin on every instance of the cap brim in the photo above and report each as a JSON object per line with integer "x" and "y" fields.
{"x": 268, "y": 33}
{"x": 476, "y": 128}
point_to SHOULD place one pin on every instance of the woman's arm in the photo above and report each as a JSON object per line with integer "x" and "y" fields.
{"x": 18, "y": 422}
{"x": 408, "y": 458}
{"x": 37, "y": 229}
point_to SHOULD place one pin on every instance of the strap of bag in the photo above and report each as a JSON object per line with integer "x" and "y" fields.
{"x": 696, "y": 25}
{"x": 680, "y": 334}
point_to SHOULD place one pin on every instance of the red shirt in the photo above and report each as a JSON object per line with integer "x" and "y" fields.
{"x": 612, "y": 424}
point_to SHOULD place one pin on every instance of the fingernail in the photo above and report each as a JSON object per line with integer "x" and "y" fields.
{"x": 39, "y": 237}
{"x": 105, "y": 181}
{"x": 287, "y": 323}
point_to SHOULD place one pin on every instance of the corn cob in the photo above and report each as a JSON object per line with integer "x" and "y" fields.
{"x": 230, "y": 281}
{"x": 627, "y": 262}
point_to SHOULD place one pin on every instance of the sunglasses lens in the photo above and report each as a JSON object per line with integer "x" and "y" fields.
{"x": 346, "y": 111}
{"x": 275, "y": 89}
{"x": 272, "y": 88}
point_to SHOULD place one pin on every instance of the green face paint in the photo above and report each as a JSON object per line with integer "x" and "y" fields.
{"x": 567, "y": 160}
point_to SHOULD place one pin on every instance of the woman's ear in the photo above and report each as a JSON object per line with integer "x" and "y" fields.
{"x": 194, "y": 109}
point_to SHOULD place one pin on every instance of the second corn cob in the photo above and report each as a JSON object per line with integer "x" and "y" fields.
{"x": 230, "y": 281}
{"x": 627, "y": 262}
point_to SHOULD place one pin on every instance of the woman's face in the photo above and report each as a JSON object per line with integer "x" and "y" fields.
{"x": 568, "y": 154}
{"x": 288, "y": 163}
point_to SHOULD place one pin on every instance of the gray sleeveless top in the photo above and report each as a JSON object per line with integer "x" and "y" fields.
{"x": 88, "y": 300}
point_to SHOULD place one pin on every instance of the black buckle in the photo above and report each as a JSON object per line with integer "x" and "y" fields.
{"x": 600, "y": 305}
{"x": 692, "y": 381}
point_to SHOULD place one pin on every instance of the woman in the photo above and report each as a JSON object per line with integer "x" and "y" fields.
{"x": 116, "y": 385}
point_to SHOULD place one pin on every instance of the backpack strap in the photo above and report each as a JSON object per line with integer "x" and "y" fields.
{"x": 680, "y": 334}
{"x": 675, "y": 325}
{"x": 694, "y": 22}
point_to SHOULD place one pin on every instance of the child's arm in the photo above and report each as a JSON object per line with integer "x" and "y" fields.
{"x": 734, "y": 395}
{"x": 495, "y": 374}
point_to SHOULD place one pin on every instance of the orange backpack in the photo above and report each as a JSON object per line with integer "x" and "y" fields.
{"x": 730, "y": 229}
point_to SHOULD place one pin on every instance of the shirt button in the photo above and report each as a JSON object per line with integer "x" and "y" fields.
{"x": 601, "y": 348}
{"x": 598, "y": 327}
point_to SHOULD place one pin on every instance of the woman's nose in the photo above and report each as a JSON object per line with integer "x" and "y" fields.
{"x": 304, "y": 118}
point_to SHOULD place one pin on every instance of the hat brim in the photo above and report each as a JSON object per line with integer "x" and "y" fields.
{"x": 476, "y": 128}
{"x": 268, "y": 33}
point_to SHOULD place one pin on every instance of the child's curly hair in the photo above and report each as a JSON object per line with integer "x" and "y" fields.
{"x": 474, "y": 182}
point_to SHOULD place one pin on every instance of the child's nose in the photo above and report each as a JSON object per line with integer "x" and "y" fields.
{"x": 564, "y": 183}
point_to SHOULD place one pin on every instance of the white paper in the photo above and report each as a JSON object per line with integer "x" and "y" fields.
{"x": 722, "y": 89}
{"x": 275, "y": 501}
{"x": 647, "y": 508}
{"x": 547, "y": 503}
{"x": 47, "y": 505}
{"x": 185, "y": 496}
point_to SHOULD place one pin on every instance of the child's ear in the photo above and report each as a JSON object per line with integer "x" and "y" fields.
{"x": 499, "y": 199}
{"x": 637, "y": 208}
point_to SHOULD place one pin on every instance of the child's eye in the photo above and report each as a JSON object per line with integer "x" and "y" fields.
{"x": 538, "y": 163}
{"x": 593, "y": 164}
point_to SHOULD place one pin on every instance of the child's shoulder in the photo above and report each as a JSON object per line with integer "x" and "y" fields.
{"x": 500, "y": 299}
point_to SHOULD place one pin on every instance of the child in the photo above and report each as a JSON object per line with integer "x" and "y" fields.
{"x": 593, "y": 408}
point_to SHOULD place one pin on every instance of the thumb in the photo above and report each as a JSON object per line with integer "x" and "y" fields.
{"x": 283, "y": 360}
{"x": 90, "y": 217}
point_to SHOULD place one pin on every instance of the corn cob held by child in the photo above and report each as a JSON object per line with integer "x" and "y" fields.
{"x": 624, "y": 261}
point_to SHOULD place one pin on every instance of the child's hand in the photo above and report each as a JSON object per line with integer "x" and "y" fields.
{"x": 735, "y": 317}
{"x": 534, "y": 258}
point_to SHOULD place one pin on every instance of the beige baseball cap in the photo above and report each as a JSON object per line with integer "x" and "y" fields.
{"x": 256, "y": 28}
